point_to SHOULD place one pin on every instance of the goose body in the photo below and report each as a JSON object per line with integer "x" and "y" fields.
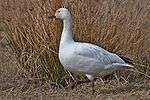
{"x": 85, "y": 58}
{"x": 89, "y": 59}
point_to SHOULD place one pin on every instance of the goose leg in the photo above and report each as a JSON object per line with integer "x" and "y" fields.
{"x": 93, "y": 91}
{"x": 78, "y": 83}
{"x": 91, "y": 78}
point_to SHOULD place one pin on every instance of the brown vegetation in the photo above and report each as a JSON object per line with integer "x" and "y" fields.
{"x": 120, "y": 26}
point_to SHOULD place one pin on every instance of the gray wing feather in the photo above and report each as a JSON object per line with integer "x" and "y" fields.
{"x": 92, "y": 51}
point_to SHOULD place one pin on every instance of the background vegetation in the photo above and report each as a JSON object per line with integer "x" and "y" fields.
{"x": 120, "y": 26}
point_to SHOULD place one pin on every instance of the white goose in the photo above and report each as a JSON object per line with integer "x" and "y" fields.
{"x": 85, "y": 58}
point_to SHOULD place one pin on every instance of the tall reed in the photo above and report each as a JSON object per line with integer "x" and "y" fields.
{"x": 119, "y": 26}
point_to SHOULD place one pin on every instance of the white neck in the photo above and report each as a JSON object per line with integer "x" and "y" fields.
{"x": 66, "y": 37}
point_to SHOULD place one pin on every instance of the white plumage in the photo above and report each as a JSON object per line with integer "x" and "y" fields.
{"x": 85, "y": 58}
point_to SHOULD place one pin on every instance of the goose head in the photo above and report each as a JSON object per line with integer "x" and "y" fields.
{"x": 62, "y": 13}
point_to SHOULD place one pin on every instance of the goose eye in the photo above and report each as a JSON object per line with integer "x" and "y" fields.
{"x": 58, "y": 11}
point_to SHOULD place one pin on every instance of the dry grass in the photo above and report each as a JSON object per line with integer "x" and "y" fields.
{"x": 120, "y": 26}
{"x": 27, "y": 28}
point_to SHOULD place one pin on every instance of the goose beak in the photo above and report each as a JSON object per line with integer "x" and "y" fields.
{"x": 52, "y": 17}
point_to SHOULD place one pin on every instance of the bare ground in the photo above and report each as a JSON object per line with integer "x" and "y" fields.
{"x": 15, "y": 84}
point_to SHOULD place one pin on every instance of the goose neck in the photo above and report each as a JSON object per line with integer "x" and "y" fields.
{"x": 66, "y": 36}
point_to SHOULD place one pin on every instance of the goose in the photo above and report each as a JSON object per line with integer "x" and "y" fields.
{"x": 85, "y": 58}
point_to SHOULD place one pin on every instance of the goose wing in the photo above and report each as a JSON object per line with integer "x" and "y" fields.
{"x": 97, "y": 53}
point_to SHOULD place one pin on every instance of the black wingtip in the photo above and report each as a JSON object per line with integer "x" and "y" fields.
{"x": 51, "y": 17}
{"x": 126, "y": 59}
